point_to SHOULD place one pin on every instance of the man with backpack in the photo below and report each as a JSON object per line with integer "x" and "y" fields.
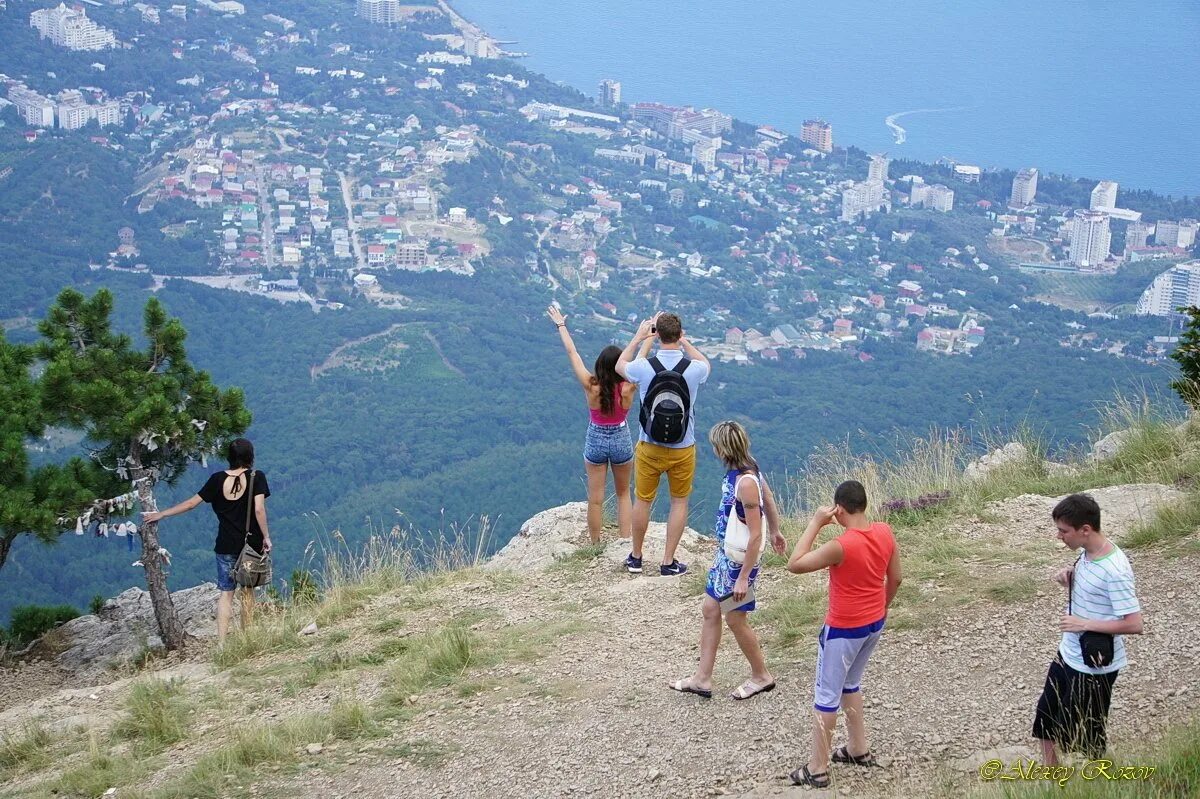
{"x": 668, "y": 383}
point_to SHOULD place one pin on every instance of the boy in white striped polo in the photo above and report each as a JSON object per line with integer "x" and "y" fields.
{"x": 1073, "y": 709}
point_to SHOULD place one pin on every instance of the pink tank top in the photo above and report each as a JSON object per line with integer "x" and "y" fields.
{"x": 618, "y": 413}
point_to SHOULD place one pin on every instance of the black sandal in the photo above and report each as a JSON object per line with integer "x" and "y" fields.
{"x": 842, "y": 755}
{"x": 802, "y": 776}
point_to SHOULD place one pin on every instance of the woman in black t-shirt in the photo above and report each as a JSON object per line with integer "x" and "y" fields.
{"x": 225, "y": 491}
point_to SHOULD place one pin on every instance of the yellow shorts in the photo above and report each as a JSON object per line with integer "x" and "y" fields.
{"x": 651, "y": 460}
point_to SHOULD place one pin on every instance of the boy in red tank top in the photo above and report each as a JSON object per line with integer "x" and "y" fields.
{"x": 864, "y": 574}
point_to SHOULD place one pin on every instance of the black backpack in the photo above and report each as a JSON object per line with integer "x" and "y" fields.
{"x": 667, "y": 403}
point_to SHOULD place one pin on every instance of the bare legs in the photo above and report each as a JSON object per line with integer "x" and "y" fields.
{"x": 225, "y": 611}
{"x": 641, "y": 521}
{"x": 710, "y": 640}
{"x": 823, "y": 726}
{"x": 621, "y": 475}
{"x": 676, "y": 520}
{"x": 747, "y": 641}
{"x": 822, "y": 741}
{"x": 597, "y": 479}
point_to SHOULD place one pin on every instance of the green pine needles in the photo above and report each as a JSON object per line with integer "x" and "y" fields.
{"x": 1187, "y": 355}
{"x": 145, "y": 412}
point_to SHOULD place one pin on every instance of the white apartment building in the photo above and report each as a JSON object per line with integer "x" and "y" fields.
{"x": 73, "y": 111}
{"x": 704, "y": 153}
{"x": 863, "y": 198}
{"x": 1024, "y": 188}
{"x": 70, "y": 28}
{"x": 1172, "y": 234}
{"x": 1176, "y": 287}
{"x": 610, "y": 93}
{"x": 381, "y": 12}
{"x": 109, "y": 113}
{"x": 919, "y": 193}
{"x": 1137, "y": 234}
{"x": 877, "y": 170}
{"x": 940, "y": 198}
{"x": 1104, "y": 195}
{"x": 35, "y": 109}
{"x": 1090, "y": 238}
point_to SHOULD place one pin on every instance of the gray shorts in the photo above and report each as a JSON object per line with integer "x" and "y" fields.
{"x": 841, "y": 659}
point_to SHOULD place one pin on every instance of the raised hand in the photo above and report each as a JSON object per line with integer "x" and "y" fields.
{"x": 556, "y": 316}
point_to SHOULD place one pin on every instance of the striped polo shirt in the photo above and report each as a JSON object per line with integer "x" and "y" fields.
{"x": 1103, "y": 590}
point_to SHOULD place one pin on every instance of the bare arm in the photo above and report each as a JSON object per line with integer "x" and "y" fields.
{"x": 174, "y": 510}
{"x": 627, "y": 356}
{"x": 894, "y": 577}
{"x": 260, "y": 513}
{"x": 577, "y": 365}
{"x": 804, "y": 560}
{"x": 771, "y": 509}
{"x": 1126, "y": 625}
{"x": 689, "y": 349}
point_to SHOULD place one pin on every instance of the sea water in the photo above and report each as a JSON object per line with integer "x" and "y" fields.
{"x": 1101, "y": 90}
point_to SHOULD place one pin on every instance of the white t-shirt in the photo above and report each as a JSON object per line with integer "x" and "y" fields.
{"x": 1103, "y": 590}
{"x": 641, "y": 373}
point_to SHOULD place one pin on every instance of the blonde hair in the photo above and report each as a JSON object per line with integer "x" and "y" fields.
{"x": 731, "y": 442}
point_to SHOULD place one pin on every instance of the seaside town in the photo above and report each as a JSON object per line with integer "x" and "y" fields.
{"x": 312, "y": 169}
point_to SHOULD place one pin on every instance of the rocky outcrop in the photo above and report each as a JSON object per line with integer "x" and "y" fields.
{"x": 1107, "y": 448}
{"x": 93, "y": 644}
{"x": 1010, "y": 454}
{"x": 557, "y": 532}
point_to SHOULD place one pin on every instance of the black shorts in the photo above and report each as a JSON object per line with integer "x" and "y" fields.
{"x": 1073, "y": 709}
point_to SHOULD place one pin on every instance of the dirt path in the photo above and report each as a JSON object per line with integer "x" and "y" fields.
{"x": 334, "y": 359}
{"x": 437, "y": 347}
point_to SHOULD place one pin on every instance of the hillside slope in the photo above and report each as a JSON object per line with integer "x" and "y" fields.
{"x": 518, "y": 680}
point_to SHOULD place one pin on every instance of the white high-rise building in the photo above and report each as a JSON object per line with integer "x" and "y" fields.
{"x": 381, "y": 12}
{"x": 1136, "y": 235}
{"x": 1182, "y": 234}
{"x": 878, "y": 168}
{"x": 1104, "y": 195}
{"x": 73, "y": 110}
{"x": 71, "y": 28}
{"x": 1090, "y": 238}
{"x": 864, "y": 198}
{"x": 940, "y": 198}
{"x": 704, "y": 153}
{"x": 1177, "y": 287}
{"x": 34, "y": 108}
{"x": 1024, "y": 188}
{"x": 610, "y": 93}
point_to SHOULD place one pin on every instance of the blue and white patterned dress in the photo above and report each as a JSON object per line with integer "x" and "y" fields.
{"x": 725, "y": 572}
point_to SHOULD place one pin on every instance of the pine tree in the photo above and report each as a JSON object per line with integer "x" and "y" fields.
{"x": 148, "y": 413}
{"x": 32, "y": 501}
{"x": 1187, "y": 355}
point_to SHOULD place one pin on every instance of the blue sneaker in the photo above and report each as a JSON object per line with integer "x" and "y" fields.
{"x": 633, "y": 565}
{"x": 673, "y": 569}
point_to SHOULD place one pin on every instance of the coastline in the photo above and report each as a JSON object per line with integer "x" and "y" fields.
{"x": 1100, "y": 161}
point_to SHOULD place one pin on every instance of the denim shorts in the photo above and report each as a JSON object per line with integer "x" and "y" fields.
{"x": 225, "y": 564}
{"x": 608, "y": 443}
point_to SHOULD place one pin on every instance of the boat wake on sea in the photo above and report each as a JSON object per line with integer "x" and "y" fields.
{"x": 900, "y": 134}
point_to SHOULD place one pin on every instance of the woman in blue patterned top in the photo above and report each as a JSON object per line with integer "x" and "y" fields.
{"x": 744, "y": 491}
